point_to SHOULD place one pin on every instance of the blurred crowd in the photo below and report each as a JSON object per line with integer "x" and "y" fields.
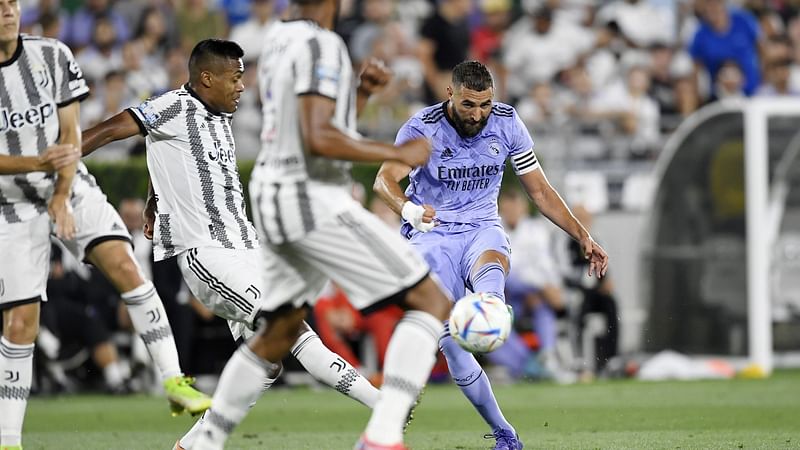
{"x": 594, "y": 80}
{"x": 597, "y": 82}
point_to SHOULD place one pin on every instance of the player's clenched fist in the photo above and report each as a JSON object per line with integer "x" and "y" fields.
{"x": 421, "y": 217}
{"x": 374, "y": 75}
{"x": 414, "y": 152}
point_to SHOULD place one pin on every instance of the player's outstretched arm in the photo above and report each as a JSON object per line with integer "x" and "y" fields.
{"x": 387, "y": 187}
{"x": 121, "y": 126}
{"x": 323, "y": 139}
{"x": 553, "y": 207}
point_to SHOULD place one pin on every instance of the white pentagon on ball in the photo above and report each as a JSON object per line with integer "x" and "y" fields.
{"x": 480, "y": 322}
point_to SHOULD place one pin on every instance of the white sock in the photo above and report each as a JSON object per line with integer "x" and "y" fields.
{"x": 332, "y": 369}
{"x": 150, "y": 321}
{"x": 16, "y": 367}
{"x": 409, "y": 360}
{"x": 239, "y": 387}
{"x": 112, "y": 373}
{"x": 188, "y": 439}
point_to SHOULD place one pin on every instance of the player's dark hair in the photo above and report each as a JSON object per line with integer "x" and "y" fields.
{"x": 472, "y": 75}
{"x": 209, "y": 51}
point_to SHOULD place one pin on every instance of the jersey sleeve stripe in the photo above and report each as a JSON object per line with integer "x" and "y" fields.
{"x": 502, "y": 114}
{"x": 522, "y": 156}
{"x": 72, "y": 100}
{"x": 142, "y": 129}
{"x": 313, "y": 45}
{"x": 528, "y": 157}
{"x": 525, "y": 162}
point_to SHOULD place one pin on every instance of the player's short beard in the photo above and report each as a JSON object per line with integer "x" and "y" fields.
{"x": 474, "y": 128}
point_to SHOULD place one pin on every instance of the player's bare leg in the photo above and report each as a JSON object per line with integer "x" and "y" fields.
{"x": 20, "y": 327}
{"x": 408, "y": 363}
{"x": 241, "y": 382}
{"x": 115, "y": 260}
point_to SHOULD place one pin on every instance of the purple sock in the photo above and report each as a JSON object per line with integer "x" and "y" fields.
{"x": 490, "y": 278}
{"x": 544, "y": 323}
{"x": 474, "y": 383}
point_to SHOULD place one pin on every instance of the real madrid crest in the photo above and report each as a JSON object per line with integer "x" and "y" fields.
{"x": 494, "y": 148}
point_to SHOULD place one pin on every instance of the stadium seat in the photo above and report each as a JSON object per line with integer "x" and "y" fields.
{"x": 587, "y": 188}
{"x": 638, "y": 192}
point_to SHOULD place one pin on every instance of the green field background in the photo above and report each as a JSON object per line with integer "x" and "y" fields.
{"x": 750, "y": 414}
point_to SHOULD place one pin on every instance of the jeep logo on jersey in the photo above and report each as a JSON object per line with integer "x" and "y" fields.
{"x": 221, "y": 154}
{"x": 35, "y": 116}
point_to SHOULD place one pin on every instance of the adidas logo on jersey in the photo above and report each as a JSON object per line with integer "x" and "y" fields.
{"x": 447, "y": 153}
{"x": 34, "y": 116}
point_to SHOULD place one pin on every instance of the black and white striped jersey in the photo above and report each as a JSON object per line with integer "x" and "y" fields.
{"x": 192, "y": 163}
{"x": 301, "y": 58}
{"x": 40, "y": 77}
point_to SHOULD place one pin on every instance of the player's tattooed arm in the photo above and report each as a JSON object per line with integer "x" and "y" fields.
{"x": 554, "y": 208}
{"x": 60, "y": 207}
{"x": 121, "y": 126}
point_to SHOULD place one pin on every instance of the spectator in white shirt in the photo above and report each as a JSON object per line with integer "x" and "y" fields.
{"x": 249, "y": 35}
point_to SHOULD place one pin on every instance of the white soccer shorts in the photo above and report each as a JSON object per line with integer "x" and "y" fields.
{"x": 96, "y": 221}
{"x": 371, "y": 262}
{"x": 25, "y": 261}
{"x": 229, "y": 282}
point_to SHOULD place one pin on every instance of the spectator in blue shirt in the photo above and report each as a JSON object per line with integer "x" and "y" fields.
{"x": 728, "y": 34}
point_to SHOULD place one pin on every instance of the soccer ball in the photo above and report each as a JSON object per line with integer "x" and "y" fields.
{"x": 480, "y": 322}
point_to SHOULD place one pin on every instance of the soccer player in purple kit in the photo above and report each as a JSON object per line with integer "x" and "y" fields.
{"x": 450, "y": 214}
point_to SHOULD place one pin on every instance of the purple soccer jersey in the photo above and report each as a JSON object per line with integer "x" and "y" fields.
{"x": 462, "y": 178}
{"x": 462, "y": 182}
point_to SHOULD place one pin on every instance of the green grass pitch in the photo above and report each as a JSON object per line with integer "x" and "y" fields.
{"x": 748, "y": 414}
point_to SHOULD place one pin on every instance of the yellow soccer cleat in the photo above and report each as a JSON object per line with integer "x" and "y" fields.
{"x": 185, "y": 398}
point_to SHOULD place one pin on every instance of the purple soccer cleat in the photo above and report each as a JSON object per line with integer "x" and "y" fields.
{"x": 505, "y": 440}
